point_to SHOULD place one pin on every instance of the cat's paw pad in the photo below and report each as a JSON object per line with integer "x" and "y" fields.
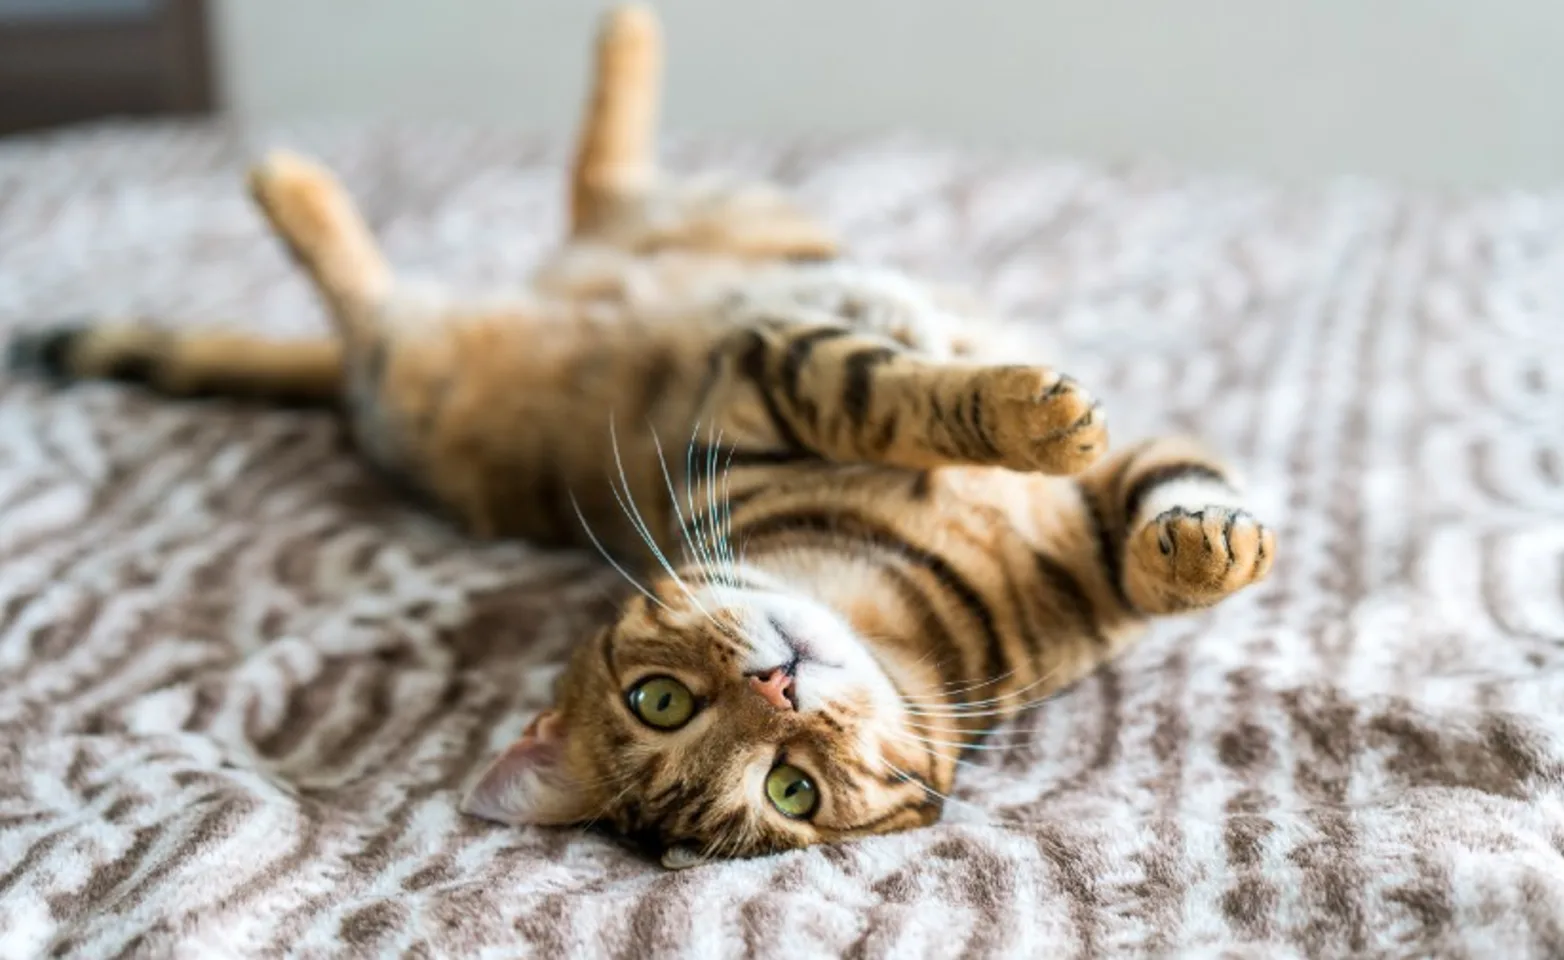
{"x": 1044, "y": 421}
{"x": 1200, "y": 556}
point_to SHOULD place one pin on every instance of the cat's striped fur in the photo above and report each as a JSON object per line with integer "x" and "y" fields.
{"x": 868, "y": 531}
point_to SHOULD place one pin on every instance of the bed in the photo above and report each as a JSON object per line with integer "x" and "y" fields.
{"x": 242, "y": 684}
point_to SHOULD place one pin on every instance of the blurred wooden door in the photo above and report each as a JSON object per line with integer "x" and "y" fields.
{"x": 64, "y": 61}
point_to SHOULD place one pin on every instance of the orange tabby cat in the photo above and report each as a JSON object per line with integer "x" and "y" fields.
{"x": 876, "y": 535}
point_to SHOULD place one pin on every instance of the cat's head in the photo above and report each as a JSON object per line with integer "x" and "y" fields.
{"x": 730, "y": 721}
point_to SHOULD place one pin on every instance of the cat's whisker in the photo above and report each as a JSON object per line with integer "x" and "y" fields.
{"x": 695, "y": 541}
{"x": 630, "y": 510}
{"x": 725, "y": 523}
{"x": 994, "y": 729}
{"x": 625, "y": 776}
{"x": 927, "y": 788}
{"x": 950, "y": 799}
{"x": 672, "y": 574}
{"x": 959, "y": 761}
{"x": 633, "y": 514}
{"x": 727, "y": 506}
{"x": 691, "y": 555}
{"x": 699, "y": 545}
{"x": 981, "y": 740}
{"x": 712, "y": 451}
{"x": 691, "y": 479}
{"x": 956, "y": 744}
{"x": 995, "y": 706}
{"x": 716, "y": 517}
{"x": 873, "y": 639}
{"x": 937, "y": 699}
{"x": 1001, "y": 711}
{"x": 935, "y": 703}
{"x": 944, "y": 699}
{"x": 689, "y": 541}
{"x": 727, "y": 845}
{"x": 953, "y": 689}
{"x": 992, "y": 735}
{"x": 916, "y": 664}
{"x": 627, "y": 508}
{"x": 609, "y": 557}
{"x": 698, "y": 542}
{"x": 722, "y": 845}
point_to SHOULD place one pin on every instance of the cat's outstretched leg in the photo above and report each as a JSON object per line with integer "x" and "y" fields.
{"x": 190, "y": 362}
{"x": 1173, "y": 527}
{"x": 830, "y": 391}
{"x": 616, "y": 154}
{"x": 315, "y": 217}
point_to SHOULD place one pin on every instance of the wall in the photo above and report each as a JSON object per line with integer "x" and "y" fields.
{"x": 12, "y": 10}
{"x": 1442, "y": 91}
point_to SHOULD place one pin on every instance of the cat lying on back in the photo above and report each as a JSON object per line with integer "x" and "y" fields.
{"x": 869, "y": 532}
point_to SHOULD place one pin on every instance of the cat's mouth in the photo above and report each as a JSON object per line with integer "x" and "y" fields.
{"x": 802, "y": 657}
{"x": 778, "y": 685}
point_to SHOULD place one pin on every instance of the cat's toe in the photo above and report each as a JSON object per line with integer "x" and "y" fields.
{"x": 1200, "y": 556}
{"x": 1047, "y": 421}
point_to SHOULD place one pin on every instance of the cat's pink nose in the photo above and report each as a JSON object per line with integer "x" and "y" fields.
{"x": 774, "y": 688}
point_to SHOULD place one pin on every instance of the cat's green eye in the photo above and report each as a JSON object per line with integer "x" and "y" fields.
{"x": 662, "y": 702}
{"x": 791, "y": 791}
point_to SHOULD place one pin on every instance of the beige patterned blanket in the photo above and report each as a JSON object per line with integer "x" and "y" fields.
{"x": 241, "y": 685}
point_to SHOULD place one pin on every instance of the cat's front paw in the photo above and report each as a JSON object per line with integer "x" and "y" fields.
{"x": 1044, "y": 421}
{"x": 1194, "y": 558}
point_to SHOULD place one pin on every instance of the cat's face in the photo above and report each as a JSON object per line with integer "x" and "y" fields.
{"x": 732, "y": 721}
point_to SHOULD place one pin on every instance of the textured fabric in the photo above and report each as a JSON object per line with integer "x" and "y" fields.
{"x": 242, "y": 685}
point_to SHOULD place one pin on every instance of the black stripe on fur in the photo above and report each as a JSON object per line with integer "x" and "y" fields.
{"x": 866, "y": 532}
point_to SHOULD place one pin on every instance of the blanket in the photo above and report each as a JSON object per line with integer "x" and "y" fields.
{"x": 242, "y": 684}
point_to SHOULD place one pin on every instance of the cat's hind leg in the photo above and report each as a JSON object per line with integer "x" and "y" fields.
{"x": 617, "y": 145}
{"x": 316, "y": 218}
{"x": 185, "y": 363}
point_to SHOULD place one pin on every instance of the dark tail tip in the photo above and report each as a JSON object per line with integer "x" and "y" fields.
{"x": 46, "y": 351}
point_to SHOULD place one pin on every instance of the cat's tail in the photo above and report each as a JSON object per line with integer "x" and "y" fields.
{"x": 199, "y": 362}
{"x": 616, "y": 149}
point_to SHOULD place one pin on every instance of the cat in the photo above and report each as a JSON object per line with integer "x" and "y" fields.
{"x": 868, "y": 528}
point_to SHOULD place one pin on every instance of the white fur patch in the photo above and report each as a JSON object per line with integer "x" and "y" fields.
{"x": 833, "y": 664}
{"x": 1193, "y": 493}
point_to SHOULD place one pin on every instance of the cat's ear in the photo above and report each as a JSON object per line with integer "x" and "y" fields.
{"x": 529, "y": 783}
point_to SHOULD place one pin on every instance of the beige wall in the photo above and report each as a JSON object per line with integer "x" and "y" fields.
{"x": 1453, "y": 91}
